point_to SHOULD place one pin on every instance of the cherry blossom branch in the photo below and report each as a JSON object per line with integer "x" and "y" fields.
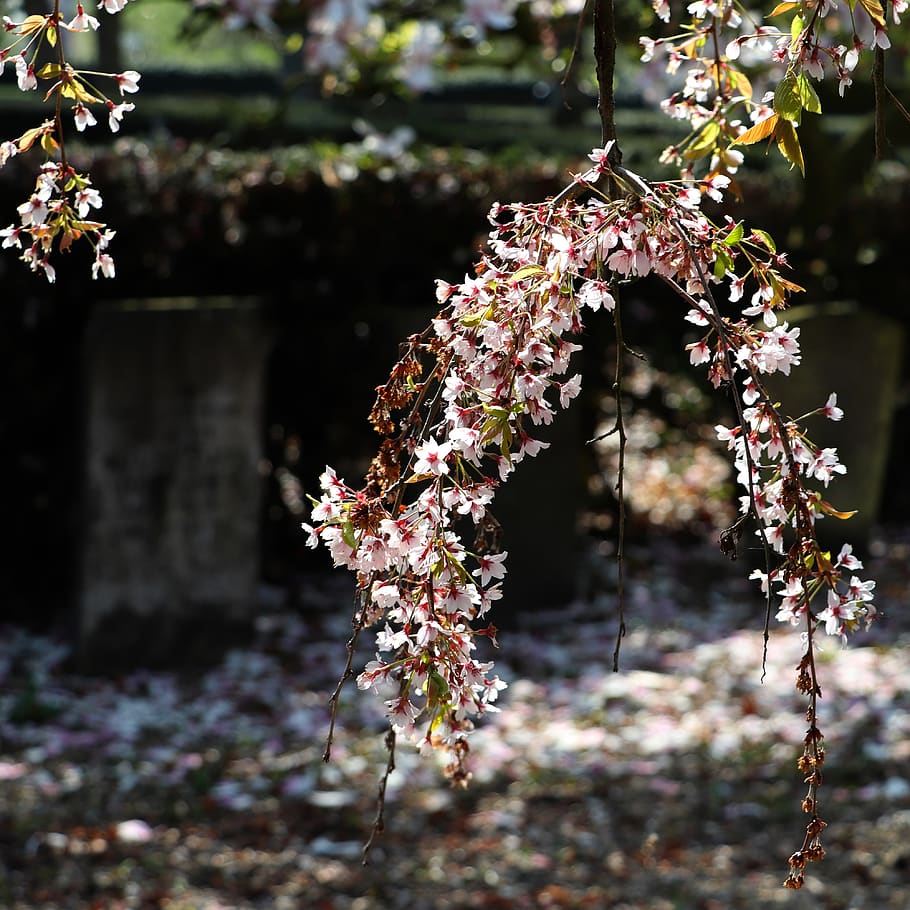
{"x": 499, "y": 346}
{"x": 56, "y": 215}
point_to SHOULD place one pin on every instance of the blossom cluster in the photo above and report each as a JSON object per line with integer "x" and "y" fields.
{"x": 712, "y": 52}
{"x": 499, "y": 353}
{"x": 773, "y": 456}
{"x": 415, "y": 45}
{"x": 57, "y": 212}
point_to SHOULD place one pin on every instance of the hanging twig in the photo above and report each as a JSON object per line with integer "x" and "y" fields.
{"x": 605, "y": 60}
{"x": 379, "y": 821}
{"x": 620, "y": 483}
{"x": 576, "y": 45}
{"x": 358, "y": 623}
{"x": 879, "y": 92}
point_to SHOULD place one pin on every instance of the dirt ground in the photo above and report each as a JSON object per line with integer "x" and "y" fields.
{"x": 670, "y": 785}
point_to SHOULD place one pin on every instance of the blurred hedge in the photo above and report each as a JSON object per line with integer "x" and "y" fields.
{"x": 334, "y": 236}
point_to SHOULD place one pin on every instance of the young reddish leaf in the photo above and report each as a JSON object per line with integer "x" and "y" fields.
{"x": 782, "y": 8}
{"x": 789, "y": 285}
{"x": 27, "y": 139}
{"x": 874, "y": 9}
{"x": 764, "y": 129}
{"x": 741, "y": 84}
{"x": 828, "y": 509}
{"x": 31, "y": 24}
{"x": 690, "y": 47}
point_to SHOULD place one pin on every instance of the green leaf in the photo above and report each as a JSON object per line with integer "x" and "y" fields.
{"x": 527, "y": 271}
{"x": 787, "y": 103}
{"x": 437, "y": 688}
{"x": 788, "y": 143}
{"x": 807, "y": 95}
{"x": 735, "y": 235}
{"x": 49, "y": 144}
{"x": 704, "y": 143}
{"x": 766, "y": 239}
{"x": 49, "y": 71}
{"x": 722, "y": 262}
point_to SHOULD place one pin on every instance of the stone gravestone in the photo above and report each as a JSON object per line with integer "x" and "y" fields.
{"x": 858, "y": 355}
{"x": 172, "y": 488}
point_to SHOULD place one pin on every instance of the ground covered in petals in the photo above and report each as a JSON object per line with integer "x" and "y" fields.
{"x": 671, "y": 784}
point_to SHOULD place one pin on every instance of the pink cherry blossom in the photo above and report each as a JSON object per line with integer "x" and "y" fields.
{"x": 431, "y": 457}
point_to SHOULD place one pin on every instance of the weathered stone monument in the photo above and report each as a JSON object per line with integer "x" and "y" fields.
{"x": 172, "y": 489}
{"x": 859, "y": 355}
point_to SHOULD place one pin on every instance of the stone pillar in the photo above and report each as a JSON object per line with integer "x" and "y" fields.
{"x": 172, "y": 488}
{"x": 858, "y": 355}
{"x": 538, "y": 508}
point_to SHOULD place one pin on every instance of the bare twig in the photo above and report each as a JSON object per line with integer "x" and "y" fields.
{"x": 897, "y": 104}
{"x": 379, "y": 821}
{"x": 620, "y": 482}
{"x": 605, "y": 60}
{"x": 879, "y": 91}
{"x": 358, "y": 625}
{"x": 576, "y": 44}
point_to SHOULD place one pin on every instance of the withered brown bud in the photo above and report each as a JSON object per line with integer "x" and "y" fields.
{"x": 803, "y": 682}
{"x": 816, "y": 826}
{"x": 816, "y": 853}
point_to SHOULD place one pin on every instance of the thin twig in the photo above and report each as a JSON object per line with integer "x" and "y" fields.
{"x": 358, "y": 624}
{"x": 379, "y": 821}
{"x": 897, "y": 104}
{"x": 879, "y": 91}
{"x": 619, "y": 426}
{"x": 579, "y": 29}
